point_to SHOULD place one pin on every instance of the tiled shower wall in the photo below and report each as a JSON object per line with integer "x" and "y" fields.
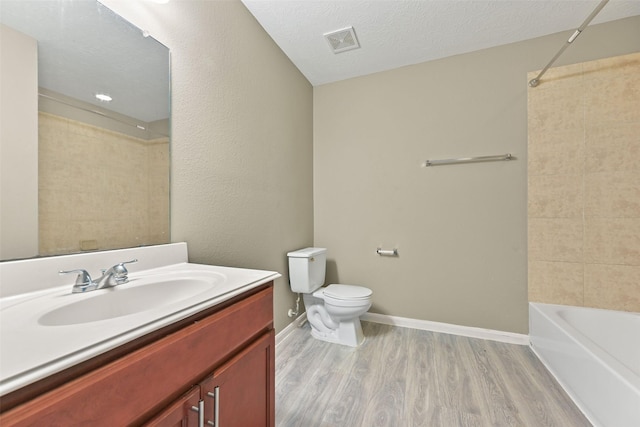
{"x": 584, "y": 185}
{"x": 99, "y": 189}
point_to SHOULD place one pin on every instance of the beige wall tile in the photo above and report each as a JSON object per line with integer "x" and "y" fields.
{"x": 50, "y": 125}
{"x": 555, "y": 239}
{"x": 612, "y": 240}
{"x": 612, "y": 147}
{"x": 551, "y": 153}
{"x": 614, "y": 287}
{"x": 555, "y": 196}
{"x": 611, "y": 68}
{"x": 562, "y": 77}
{"x": 53, "y": 205}
{"x": 612, "y": 99}
{"x": 54, "y": 237}
{"x": 613, "y": 195}
{"x": 610, "y": 208}
{"x": 107, "y": 202}
{"x": 553, "y": 110}
{"x": 556, "y": 282}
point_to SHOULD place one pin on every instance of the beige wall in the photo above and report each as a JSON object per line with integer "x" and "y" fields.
{"x": 241, "y": 188}
{"x": 461, "y": 230}
{"x": 584, "y": 185}
{"x": 18, "y": 145}
{"x": 99, "y": 189}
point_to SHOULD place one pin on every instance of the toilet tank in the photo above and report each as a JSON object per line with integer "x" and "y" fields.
{"x": 306, "y": 269}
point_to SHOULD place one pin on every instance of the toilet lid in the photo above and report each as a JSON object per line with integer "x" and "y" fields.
{"x": 347, "y": 292}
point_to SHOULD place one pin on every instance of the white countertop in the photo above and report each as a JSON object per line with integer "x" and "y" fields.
{"x": 31, "y": 350}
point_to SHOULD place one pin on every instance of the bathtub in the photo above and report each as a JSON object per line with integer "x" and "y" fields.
{"x": 595, "y": 356}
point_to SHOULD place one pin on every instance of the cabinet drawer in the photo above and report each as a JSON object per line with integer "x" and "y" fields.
{"x": 130, "y": 389}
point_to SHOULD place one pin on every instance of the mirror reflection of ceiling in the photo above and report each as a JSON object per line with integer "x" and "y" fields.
{"x": 130, "y": 68}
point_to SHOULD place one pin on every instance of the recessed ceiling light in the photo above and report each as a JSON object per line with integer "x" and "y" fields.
{"x": 103, "y": 97}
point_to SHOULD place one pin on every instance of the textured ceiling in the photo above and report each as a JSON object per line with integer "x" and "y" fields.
{"x": 395, "y": 33}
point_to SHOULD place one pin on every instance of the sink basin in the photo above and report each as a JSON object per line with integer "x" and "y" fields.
{"x": 124, "y": 300}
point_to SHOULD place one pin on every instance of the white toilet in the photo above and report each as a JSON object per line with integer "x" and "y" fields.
{"x": 333, "y": 311}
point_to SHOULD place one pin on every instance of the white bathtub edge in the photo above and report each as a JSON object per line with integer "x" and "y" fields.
{"x": 601, "y": 392}
{"x": 581, "y": 406}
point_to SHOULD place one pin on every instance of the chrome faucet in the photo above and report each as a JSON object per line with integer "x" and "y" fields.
{"x": 114, "y": 276}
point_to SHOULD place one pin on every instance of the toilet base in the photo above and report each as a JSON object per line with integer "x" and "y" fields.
{"x": 343, "y": 327}
{"x": 348, "y": 333}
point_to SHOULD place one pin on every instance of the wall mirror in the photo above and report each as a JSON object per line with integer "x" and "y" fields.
{"x": 102, "y": 144}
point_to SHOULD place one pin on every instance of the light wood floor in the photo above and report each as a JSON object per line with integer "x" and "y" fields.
{"x": 404, "y": 377}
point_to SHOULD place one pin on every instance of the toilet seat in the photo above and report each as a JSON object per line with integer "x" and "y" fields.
{"x": 347, "y": 292}
{"x": 345, "y": 295}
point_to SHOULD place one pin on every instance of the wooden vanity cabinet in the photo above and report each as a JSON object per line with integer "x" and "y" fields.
{"x": 231, "y": 352}
{"x": 243, "y": 386}
{"x": 181, "y": 413}
{"x": 239, "y": 393}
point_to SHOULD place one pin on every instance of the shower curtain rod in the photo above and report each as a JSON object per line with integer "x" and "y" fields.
{"x": 90, "y": 110}
{"x": 534, "y": 82}
{"x": 131, "y": 123}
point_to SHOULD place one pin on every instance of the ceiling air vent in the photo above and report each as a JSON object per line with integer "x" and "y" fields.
{"x": 342, "y": 40}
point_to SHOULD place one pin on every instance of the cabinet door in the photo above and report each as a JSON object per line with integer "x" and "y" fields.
{"x": 180, "y": 413}
{"x": 244, "y": 387}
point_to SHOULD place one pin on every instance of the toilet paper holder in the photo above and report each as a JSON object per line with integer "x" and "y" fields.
{"x": 387, "y": 252}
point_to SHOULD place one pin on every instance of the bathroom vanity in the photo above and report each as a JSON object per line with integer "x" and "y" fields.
{"x": 206, "y": 361}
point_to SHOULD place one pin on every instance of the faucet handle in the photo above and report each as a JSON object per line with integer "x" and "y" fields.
{"x": 120, "y": 272}
{"x": 83, "y": 280}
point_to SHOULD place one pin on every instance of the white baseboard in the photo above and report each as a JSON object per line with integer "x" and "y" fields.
{"x": 425, "y": 325}
{"x": 284, "y": 334}
{"x": 447, "y": 328}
